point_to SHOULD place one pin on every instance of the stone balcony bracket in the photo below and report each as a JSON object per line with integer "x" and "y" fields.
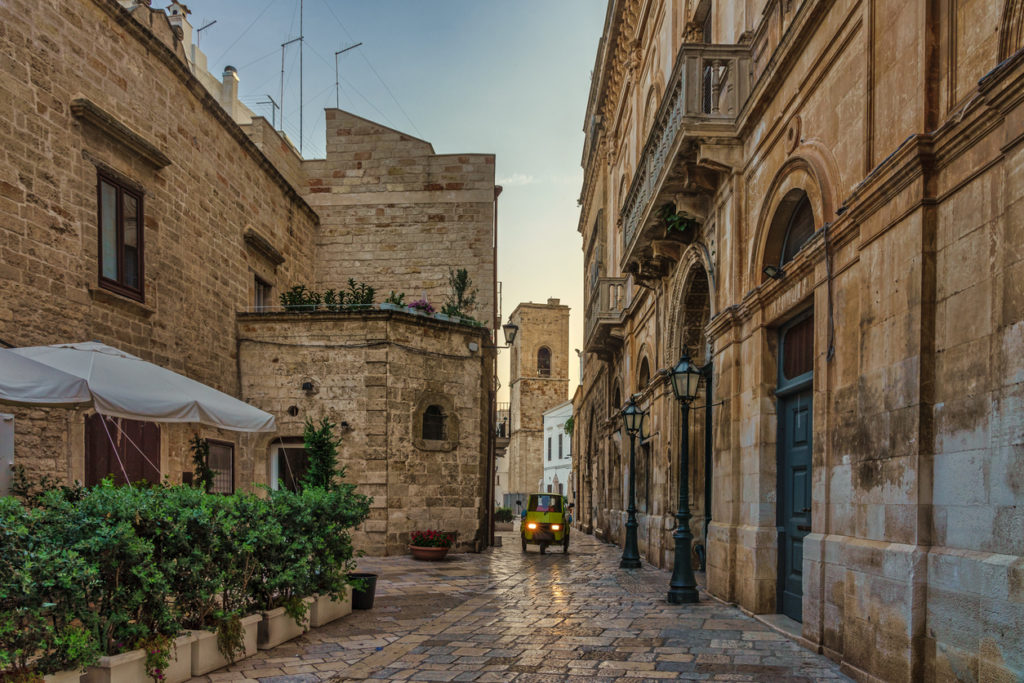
{"x": 691, "y": 146}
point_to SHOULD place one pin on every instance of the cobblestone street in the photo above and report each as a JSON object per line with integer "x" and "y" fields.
{"x": 503, "y": 615}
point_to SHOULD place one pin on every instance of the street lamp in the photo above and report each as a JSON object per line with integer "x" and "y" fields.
{"x": 632, "y": 421}
{"x": 685, "y": 378}
{"x": 510, "y": 332}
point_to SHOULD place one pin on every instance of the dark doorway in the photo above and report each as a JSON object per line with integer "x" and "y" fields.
{"x": 292, "y": 464}
{"x": 795, "y": 395}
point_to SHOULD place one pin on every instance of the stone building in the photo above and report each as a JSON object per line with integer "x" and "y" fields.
{"x": 141, "y": 205}
{"x": 823, "y": 203}
{"x": 538, "y": 381}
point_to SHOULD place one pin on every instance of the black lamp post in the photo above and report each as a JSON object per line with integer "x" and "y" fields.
{"x": 685, "y": 377}
{"x": 632, "y": 420}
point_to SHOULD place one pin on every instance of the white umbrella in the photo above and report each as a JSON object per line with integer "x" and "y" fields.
{"x": 124, "y": 385}
{"x": 24, "y": 381}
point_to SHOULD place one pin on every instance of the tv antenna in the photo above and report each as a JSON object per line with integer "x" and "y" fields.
{"x": 273, "y": 111}
{"x": 337, "y": 104}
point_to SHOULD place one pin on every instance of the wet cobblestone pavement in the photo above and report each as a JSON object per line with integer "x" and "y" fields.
{"x": 504, "y": 615}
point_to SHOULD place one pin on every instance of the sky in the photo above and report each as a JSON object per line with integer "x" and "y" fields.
{"x": 508, "y": 77}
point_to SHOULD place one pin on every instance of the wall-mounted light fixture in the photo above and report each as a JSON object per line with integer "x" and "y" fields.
{"x": 774, "y": 272}
{"x": 510, "y": 331}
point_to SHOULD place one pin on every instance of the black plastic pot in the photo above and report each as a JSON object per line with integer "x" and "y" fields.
{"x": 363, "y": 599}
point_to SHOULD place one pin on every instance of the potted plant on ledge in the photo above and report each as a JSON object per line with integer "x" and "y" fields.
{"x": 431, "y": 544}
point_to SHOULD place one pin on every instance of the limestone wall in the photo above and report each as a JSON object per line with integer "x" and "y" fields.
{"x": 197, "y": 208}
{"x": 397, "y": 216}
{"x": 531, "y": 393}
{"x": 377, "y": 371}
{"x": 911, "y": 569}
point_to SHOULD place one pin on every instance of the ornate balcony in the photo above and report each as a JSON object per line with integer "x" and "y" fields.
{"x": 606, "y": 305}
{"x": 692, "y": 141}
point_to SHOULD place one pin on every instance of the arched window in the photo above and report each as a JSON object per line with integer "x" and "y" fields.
{"x": 616, "y": 399}
{"x": 433, "y": 423}
{"x": 799, "y": 230}
{"x": 544, "y": 362}
{"x": 644, "y": 378}
{"x": 792, "y": 226}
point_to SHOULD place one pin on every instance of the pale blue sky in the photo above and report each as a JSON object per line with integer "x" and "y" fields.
{"x": 508, "y": 77}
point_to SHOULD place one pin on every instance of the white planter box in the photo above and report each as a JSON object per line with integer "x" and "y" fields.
{"x": 127, "y": 667}
{"x": 325, "y": 610}
{"x": 277, "y": 627}
{"x": 63, "y": 677}
{"x": 180, "y": 667}
{"x": 205, "y": 655}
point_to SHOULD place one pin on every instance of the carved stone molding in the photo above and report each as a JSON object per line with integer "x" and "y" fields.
{"x": 89, "y": 112}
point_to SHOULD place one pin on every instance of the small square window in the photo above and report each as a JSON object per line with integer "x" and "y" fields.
{"x": 120, "y": 237}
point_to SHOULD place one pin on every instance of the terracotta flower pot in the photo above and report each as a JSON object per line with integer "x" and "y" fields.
{"x": 431, "y": 554}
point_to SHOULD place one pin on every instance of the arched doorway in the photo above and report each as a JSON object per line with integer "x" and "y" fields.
{"x": 691, "y": 320}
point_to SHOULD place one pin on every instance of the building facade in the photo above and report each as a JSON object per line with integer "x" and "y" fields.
{"x": 557, "y": 450}
{"x": 821, "y": 202}
{"x": 538, "y": 381}
{"x": 143, "y": 206}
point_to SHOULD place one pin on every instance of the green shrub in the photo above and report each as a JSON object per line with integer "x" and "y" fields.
{"x": 42, "y": 588}
{"x": 322, "y": 450}
{"x": 503, "y": 515}
{"x": 108, "y": 528}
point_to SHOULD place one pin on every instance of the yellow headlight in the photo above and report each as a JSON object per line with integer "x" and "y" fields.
{"x": 556, "y": 527}
{"x": 531, "y": 525}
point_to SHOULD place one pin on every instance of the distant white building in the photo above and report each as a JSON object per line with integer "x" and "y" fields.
{"x": 557, "y": 455}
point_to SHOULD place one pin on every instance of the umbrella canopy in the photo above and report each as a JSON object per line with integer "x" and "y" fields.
{"x": 24, "y": 381}
{"x": 124, "y": 385}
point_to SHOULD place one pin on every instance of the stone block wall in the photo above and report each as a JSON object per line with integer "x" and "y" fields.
{"x": 530, "y": 394}
{"x": 397, "y": 216}
{"x": 377, "y": 371}
{"x": 197, "y": 208}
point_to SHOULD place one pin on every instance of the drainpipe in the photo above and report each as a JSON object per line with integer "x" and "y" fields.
{"x": 707, "y": 457}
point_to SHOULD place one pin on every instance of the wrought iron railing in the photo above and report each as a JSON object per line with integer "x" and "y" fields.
{"x": 709, "y": 85}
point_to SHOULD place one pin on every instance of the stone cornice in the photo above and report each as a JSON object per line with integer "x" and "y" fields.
{"x": 176, "y": 66}
{"x": 89, "y": 112}
{"x": 262, "y": 246}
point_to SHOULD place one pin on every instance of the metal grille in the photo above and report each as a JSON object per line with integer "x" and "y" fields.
{"x": 222, "y": 462}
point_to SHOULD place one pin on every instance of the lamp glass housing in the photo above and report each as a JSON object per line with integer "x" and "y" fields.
{"x": 510, "y": 331}
{"x": 632, "y": 417}
{"x": 685, "y": 378}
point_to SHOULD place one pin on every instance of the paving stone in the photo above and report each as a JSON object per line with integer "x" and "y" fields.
{"x": 504, "y": 615}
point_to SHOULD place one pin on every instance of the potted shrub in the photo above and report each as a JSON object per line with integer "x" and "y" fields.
{"x": 431, "y": 544}
{"x": 129, "y": 613}
{"x": 334, "y": 508}
{"x": 461, "y": 297}
{"x": 394, "y": 302}
{"x": 212, "y": 589}
{"x": 42, "y": 592}
{"x": 421, "y": 307}
{"x": 503, "y": 519}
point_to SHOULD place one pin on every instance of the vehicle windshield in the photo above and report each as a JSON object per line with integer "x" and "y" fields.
{"x": 545, "y": 504}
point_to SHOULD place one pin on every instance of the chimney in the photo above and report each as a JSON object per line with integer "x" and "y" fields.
{"x": 229, "y": 90}
{"x": 177, "y": 15}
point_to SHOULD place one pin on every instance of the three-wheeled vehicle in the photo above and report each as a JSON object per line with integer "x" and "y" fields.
{"x": 546, "y": 521}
